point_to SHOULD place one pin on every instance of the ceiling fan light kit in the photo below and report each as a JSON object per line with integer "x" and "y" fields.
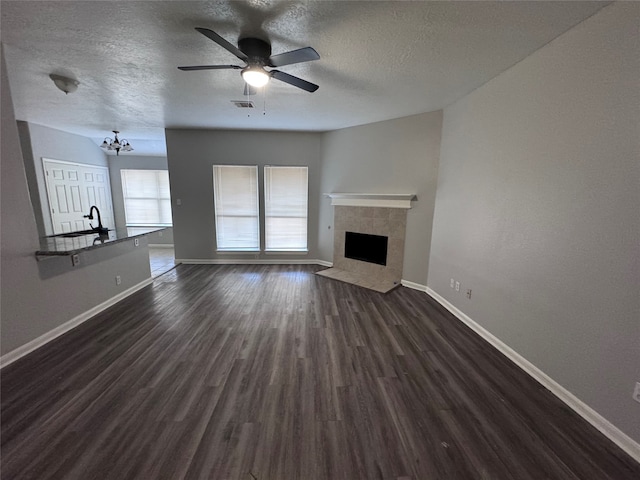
{"x": 255, "y": 76}
{"x": 116, "y": 144}
{"x": 256, "y": 54}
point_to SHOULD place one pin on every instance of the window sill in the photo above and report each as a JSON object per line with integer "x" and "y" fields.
{"x": 266, "y": 252}
{"x": 235, "y": 252}
{"x": 286, "y": 252}
{"x": 150, "y": 225}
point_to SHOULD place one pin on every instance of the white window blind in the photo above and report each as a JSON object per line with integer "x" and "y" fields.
{"x": 236, "y": 207}
{"x": 286, "y": 205}
{"x": 147, "y": 200}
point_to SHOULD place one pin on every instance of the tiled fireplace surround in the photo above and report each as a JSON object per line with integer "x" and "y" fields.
{"x": 373, "y": 220}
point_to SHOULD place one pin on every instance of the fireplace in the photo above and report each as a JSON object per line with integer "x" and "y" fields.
{"x": 366, "y": 248}
{"x": 368, "y": 239}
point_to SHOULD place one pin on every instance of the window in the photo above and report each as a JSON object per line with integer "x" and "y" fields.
{"x": 285, "y": 200}
{"x": 236, "y": 207}
{"x": 147, "y": 200}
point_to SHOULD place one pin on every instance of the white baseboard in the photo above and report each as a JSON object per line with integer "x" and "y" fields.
{"x": 250, "y": 261}
{"x": 160, "y": 245}
{"x": 29, "y": 347}
{"x": 413, "y": 285}
{"x": 612, "y": 432}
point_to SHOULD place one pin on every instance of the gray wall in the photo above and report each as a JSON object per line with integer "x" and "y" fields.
{"x": 36, "y": 297}
{"x": 37, "y": 142}
{"x": 191, "y": 154}
{"x": 537, "y": 210}
{"x": 394, "y": 156}
{"x": 135, "y": 162}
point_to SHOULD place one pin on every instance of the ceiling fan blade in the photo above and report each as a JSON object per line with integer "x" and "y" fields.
{"x": 295, "y": 81}
{"x": 306, "y": 54}
{"x": 209, "y": 67}
{"x": 222, "y": 42}
{"x": 249, "y": 90}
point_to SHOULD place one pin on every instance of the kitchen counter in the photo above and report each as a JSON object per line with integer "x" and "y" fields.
{"x": 56, "y": 245}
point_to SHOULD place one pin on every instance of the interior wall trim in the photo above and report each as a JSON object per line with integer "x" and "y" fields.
{"x": 324, "y": 263}
{"x": 161, "y": 245}
{"x": 612, "y": 432}
{"x": 251, "y": 261}
{"x": 413, "y": 285}
{"x": 36, "y": 343}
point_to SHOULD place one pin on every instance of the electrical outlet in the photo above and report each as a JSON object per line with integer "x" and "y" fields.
{"x": 118, "y": 280}
{"x": 75, "y": 259}
{"x": 136, "y": 241}
{"x": 452, "y": 283}
{"x": 457, "y": 286}
{"x": 469, "y": 293}
{"x": 636, "y": 392}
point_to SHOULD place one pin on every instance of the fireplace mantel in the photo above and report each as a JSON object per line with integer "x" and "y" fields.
{"x": 386, "y": 200}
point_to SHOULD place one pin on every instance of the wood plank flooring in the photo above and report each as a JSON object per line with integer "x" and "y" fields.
{"x": 270, "y": 372}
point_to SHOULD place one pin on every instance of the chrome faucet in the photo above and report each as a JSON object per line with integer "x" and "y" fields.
{"x": 99, "y": 229}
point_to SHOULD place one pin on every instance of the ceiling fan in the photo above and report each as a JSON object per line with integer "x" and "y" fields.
{"x": 256, "y": 54}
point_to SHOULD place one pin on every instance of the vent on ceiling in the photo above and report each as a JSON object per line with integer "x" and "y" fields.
{"x": 242, "y": 103}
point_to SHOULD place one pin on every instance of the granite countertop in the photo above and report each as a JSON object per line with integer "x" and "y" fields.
{"x": 58, "y": 246}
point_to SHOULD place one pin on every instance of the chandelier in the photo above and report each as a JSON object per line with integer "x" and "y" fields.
{"x": 116, "y": 144}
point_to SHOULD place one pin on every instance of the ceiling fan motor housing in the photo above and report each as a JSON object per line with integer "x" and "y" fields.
{"x": 258, "y": 51}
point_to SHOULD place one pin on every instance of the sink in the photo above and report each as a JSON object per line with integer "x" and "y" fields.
{"x": 75, "y": 234}
{"x": 79, "y": 233}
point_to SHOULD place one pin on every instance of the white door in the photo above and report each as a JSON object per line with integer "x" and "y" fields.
{"x": 98, "y": 193}
{"x": 72, "y": 188}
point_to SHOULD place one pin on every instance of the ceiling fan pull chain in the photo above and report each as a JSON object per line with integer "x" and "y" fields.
{"x": 246, "y": 90}
{"x": 264, "y": 101}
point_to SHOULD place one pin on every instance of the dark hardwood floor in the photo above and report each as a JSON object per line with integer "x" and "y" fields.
{"x": 270, "y": 372}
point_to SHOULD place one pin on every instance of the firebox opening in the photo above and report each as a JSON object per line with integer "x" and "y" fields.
{"x": 366, "y": 248}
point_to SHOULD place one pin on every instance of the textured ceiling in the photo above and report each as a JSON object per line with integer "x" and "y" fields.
{"x": 379, "y": 60}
